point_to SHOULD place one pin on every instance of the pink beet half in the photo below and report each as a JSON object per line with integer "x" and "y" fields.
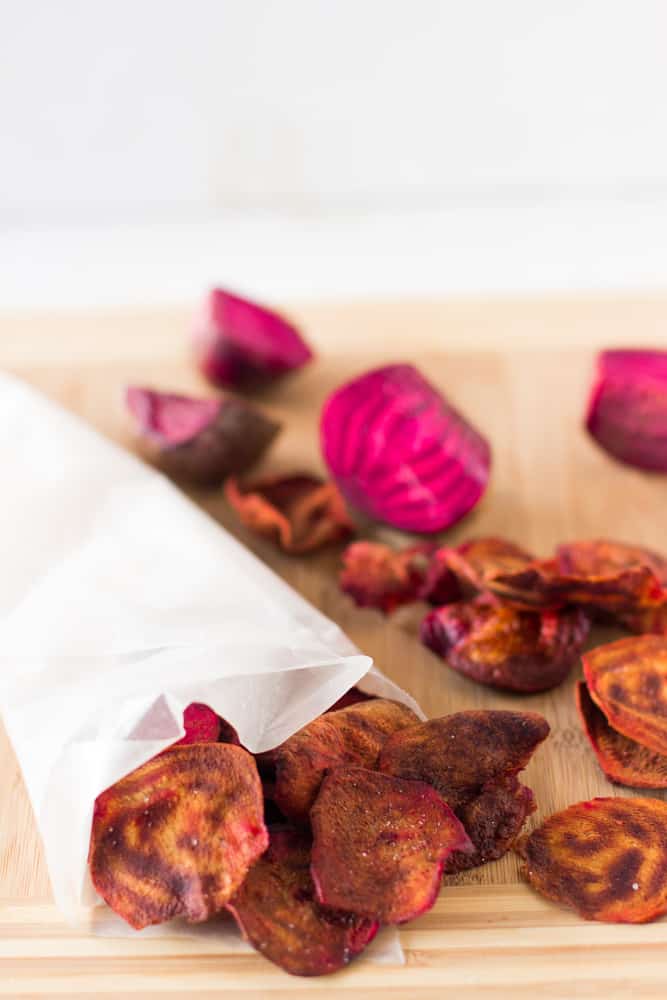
{"x": 401, "y": 453}
{"x": 627, "y": 408}
{"x": 199, "y": 440}
{"x": 239, "y": 343}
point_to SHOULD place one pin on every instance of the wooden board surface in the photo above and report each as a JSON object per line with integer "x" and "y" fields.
{"x": 488, "y": 935}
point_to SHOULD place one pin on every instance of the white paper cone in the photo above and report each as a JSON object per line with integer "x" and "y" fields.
{"x": 121, "y": 603}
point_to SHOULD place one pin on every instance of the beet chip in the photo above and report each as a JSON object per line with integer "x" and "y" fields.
{"x": 351, "y": 697}
{"x": 493, "y": 821}
{"x": 627, "y": 679}
{"x": 606, "y": 858}
{"x": 377, "y": 576}
{"x": 352, "y": 735}
{"x": 479, "y": 561}
{"x": 624, "y": 761}
{"x": 523, "y": 651}
{"x": 299, "y": 513}
{"x": 200, "y": 440}
{"x": 278, "y": 914}
{"x": 176, "y": 837}
{"x": 601, "y": 557}
{"x": 459, "y": 754}
{"x": 380, "y": 844}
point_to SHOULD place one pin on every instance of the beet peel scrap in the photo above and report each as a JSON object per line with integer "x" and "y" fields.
{"x": 176, "y": 837}
{"x": 401, "y": 453}
{"x": 239, "y": 343}
{"x": 506, "y": 648}
{"x": 351, "y": 735}
{"x": 605, "y": 858}
{"x": 627, "y": 679}
{"x": 624, "y": 761}
{"x": 380, "y": 844}
{"x": 299, "y": 513}
{"x": 201, "y": 441}
{"x": 627, "y": 408}
{"x": 278, "y": 913}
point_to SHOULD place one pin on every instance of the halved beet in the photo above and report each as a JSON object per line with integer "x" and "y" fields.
{"x": 240, "y": 343}
{"x": 401, "y": 453}
{"x": 627, "y": 408}
{"x": 200, "y": 440}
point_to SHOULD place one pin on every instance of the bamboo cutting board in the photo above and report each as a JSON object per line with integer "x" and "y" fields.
{"x": 489, "y": 935}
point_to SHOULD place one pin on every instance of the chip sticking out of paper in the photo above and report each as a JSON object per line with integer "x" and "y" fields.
{"x": 277, "y": 912}
{"x": 380, "y": 844}
{"x": 352, "y": 735}
{"x": 176, "y": 837}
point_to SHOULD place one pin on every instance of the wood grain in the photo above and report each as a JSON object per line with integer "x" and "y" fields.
{"x": 489, "y": 935}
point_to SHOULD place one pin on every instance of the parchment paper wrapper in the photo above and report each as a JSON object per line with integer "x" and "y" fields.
{"x": 120, "y": 603}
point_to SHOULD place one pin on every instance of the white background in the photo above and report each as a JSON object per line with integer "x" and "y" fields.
{"x": 330, "y": 147}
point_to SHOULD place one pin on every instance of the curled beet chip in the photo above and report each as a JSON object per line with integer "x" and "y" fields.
{"x": 380, "y": 844}
{"x": 600, "y": 557}
{"x": 606, "y": 858}
{"x": 299, "y": 513}
{"x": 493, "y": 820}
{"x": 277, "y": 912}
{"x": 627, "y": 408}
{"x": 201, "y": 724}
{"x": 401, "y": 453}
{"x": 200, "y": 440}
{"x": 627, "y": 679}
{"x": 462, "y": 753}
{"x": 176, "y": 837}
{"x": 509, "y": 649}
{"x": 377, "y": 576}
{"x": 478, "y": 562}
{"x": 352, "y": 735}
{"x": 624, "y": 761}
{"x": 650, "y": 619}
{"x": 240, "y": 343}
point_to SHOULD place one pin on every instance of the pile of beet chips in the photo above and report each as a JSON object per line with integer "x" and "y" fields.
{"x": 348, "y": 825}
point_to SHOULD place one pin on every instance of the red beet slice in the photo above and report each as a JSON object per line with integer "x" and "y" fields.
{"x": 202, "y": 725}
{"x": 176, "y": 837}
{"x": 277, "y": 912}
{"x": 505, "y": 648}
{"x": 240, "y": 343}
{"x": 460, "y": 754}
{"x": 380, "y": 844}
{"x": 623, "y": 760}
{"x": 200, "y": 440}
{"x": 493, "y": 820}
{"x": 401, "y": 453}
{"x": 627, "y": 408}
{"x": 300, "y": 513}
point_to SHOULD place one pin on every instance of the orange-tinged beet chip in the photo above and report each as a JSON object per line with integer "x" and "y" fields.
{"x": 277, "y": 912}
{"x": 352, "y": 735}
{"x": 377, "y": 576}
{"x": 459, "y": 754}
{"x": 493, "y": 821}
{"x": 651, "y": 619}
{"x": 601, "y": 557}
{"x": 623, "y": 760}
{"x": 606, "y": 858}
{"x": 628, "y": 680}
{"x": 300, "y": 513}
{"x": 380, "y": 844}
{"x": 176, "y": 837}
{"x": 351, "y": 697}
{"x": 479, "y": 561}
{"x": 523, "y": 651}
